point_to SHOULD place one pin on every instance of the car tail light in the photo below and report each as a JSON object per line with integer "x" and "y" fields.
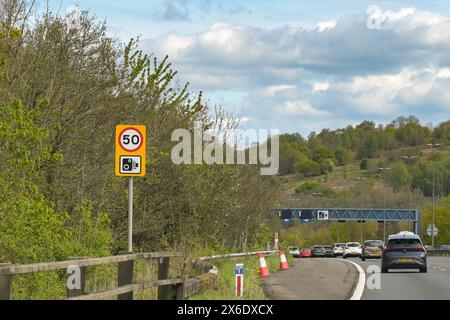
{"x": 410, "y": 249}
{"x": 418, "y": 249}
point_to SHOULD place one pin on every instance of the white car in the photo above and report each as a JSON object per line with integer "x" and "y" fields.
{"x": 294, "y": 251}
{"x": 338, "y": 249}
{"x": 352, "y": 249}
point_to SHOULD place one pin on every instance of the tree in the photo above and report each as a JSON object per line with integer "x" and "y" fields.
{"x": 412, "y": 134}
{"x": 401, "y": 121}
{"x": 364, "y": 164}
{"x": 369, "y": 147}
{"x": 442, "y": 132}
{"x": 399, "y": 178}
{"x": 342, "y": 157}
{"x": 422, "y": 177}
{"x": 288, "y": 157}
{"x": 441, "y": 221}
{"x": 74, "y": 87}
{"x": 308, "y": 168}
{"x": 321, "y": 153}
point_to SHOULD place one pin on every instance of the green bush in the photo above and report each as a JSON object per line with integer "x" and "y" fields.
{"x": 313, "y": 186}
{"x": 308, "y": 168}
{"x": 307, "y": 187}
{"x": 342, "y": 157}
{"x": 364, "y": 164}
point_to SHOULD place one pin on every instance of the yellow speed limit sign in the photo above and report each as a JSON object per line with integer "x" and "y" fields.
{"x": 130, "y": 150}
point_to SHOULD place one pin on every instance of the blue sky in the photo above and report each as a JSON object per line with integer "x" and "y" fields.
{"x": 298, "y": 66}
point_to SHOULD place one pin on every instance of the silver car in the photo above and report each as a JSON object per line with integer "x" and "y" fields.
{"x": 372, "y": 249}
{"x": 294, "y": 251}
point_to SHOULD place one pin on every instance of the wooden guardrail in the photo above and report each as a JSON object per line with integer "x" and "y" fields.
{"x": 168, "y": 289}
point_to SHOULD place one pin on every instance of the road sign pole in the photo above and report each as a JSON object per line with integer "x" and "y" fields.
{"x": 432, "y": 200}
{"x": 130, "y": 214}
{"x": 130, "y": 159}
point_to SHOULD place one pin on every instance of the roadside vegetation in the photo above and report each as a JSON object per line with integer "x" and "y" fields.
{"x": 253, "y": 283}
{"x": 62, "y": 92}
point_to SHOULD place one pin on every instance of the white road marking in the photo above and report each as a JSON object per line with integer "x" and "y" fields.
{"x": 357, "y": 294}
{"x": 443, "y": 269}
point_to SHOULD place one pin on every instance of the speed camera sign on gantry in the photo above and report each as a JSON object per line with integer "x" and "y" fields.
{"x": 322, "y": 215}
{"x": 130, "y": 150}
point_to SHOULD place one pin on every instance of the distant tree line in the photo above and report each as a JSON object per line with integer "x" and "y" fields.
{"x": 321, "y": 153}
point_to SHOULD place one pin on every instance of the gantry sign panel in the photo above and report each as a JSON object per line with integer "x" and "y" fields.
{"x": 351, "y": 214}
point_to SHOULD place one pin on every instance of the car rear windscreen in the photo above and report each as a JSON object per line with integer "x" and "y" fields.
{"x": 404, "y": 242}
{"x": 375, "y": 243}
{"x": 353, "y": 245}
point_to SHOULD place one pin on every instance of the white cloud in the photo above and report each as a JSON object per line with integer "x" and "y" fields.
{"x": 175, "y": 45}
{"x": 298, "y": 108}
{"x": 443, "y": 73}
{"x": 384, "y": 95}
{"x": 325, "y": 25}
{"x": 320, "y": 86}
{"x": 272, "y": 90}
{"x": 338, "y": 67}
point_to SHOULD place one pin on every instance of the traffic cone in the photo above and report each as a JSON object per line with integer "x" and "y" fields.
{"x": 283, "y": 261}
{"x": 263, "y": 270}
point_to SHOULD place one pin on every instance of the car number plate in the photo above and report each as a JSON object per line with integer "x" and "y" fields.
{"x": 405, "y": 260}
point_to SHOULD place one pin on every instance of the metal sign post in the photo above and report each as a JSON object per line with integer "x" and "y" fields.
{"x": 130, "y": 214}
{"x": 275, "y": 240}
{"x": 130, "y": 162}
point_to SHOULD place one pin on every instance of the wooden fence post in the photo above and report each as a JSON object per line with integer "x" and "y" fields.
{"x": 78, "y": 291}
{"x": 179, "y": 291}
{"x": 125, "y": 276}
{"x": 163, "y": 273}
{"x": 5, "y": 285}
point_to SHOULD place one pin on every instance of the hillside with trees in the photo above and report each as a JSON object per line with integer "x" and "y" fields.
{"x": 373, "y": 147}
{"x": 368, "y": 166}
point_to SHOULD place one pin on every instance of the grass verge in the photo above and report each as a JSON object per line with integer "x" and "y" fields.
{"x": 253, "y": 285}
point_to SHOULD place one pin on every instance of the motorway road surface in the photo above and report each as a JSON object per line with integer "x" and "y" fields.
{"x": 410, "y": 284}
{"x": 330, "y": 279}
{"x": 312, "y": 279}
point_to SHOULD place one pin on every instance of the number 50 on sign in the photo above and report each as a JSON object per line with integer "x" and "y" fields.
{"x": 130, "y": 150}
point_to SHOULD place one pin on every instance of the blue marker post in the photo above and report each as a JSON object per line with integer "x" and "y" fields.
{"x": 239, "y": 280}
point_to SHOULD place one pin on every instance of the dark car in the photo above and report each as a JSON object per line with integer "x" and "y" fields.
{"x": 329, "y": 250}
{"x": 372, "y": 249}
{"x": 318, "y": 251}
{"x": 404, "y": 251}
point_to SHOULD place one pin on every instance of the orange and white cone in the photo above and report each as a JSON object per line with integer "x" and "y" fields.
{"x": 263, "y": 270}
{"x": 283, "y": 261}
